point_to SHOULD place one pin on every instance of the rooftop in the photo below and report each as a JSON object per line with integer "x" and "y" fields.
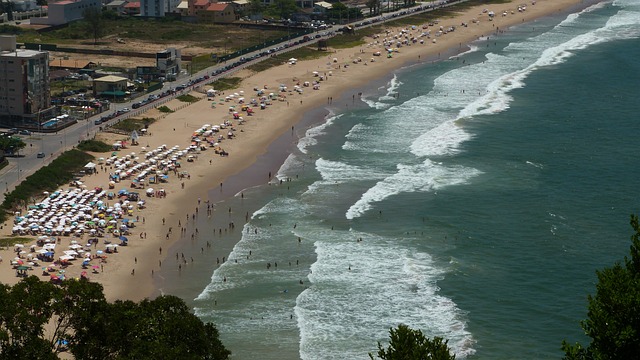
{"x": 217, "y": 7}
{"x": 111, "y": 78}
{"x": 20, "y": 53}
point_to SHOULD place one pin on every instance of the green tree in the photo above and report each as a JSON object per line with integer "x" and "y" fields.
{"x": 11, "y": 144}
{"x": 7, "y": 7}
{"x": 408, "y": 344}
{"x": 91, "y": 328}
{"x": 255, "y": 7}
{"x": 374, "y": 6}
{"x": 282, "y": 8}
{"x": 94, "y": 23}
{"x": 24, "y": 310}
{"x": 613, "y": 322}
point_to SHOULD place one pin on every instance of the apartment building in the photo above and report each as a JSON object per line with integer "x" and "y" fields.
{"x": 24, "y": 83}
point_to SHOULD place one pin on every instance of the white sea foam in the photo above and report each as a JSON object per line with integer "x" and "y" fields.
{"x": 334, "y": 172}
{"x": 493, "y": 81}
{"x": 427, "y": 176}
{"x": 392, "y": 88}
{"x": 310, "y": 136}
{"x": 440, "y": 141}
{"x": 344, "y": 310}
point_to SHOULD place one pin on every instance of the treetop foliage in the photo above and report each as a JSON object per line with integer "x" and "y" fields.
{"x": 88, "y": 327}
{"x": 408, "y": 344}
{"x": 613, "y": 322}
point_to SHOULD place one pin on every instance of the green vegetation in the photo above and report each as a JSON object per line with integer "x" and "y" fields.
{"x": 226, "y": 83}
{"x": 303, "y": 53}
{"x": 132, "y": 124}
{"x": 60, "y": 86}
{"x": 201, "y": 62}
{"x": 158, "y": 31}
{"x": 408, "y": 344}
{"x": 11, "y": 144}
{"x": 188, "y": 98}
{"x": 282, "y": 9}
{"x": 94, "y": 146}
{"x": 8, "y": 242}
{"x": 165, "y": 109}
{"x": 89, "y": 327}
{"x": 47, "y": 178}
{"x": 613, "y": 322}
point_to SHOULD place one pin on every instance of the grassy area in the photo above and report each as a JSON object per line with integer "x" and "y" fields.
{"x": 303, "y": 53}
{"x": 226, "y": 83}
{"x": 9, "y": 242}
{"x": 201, "y": 62}
{"x": 165, "y": 109}
{"x": 94, "y": 146}
{"x": 132, "y": 124}
{"x": 188, "y": 98}
{"x": 60, "y": 86}
{"x": 168, "y": 32}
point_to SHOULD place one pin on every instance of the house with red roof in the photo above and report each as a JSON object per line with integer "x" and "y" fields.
{"x": 132, "y": 8}
{"x": 211, "y": 11}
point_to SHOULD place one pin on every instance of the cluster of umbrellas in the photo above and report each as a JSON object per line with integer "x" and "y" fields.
{"x": 27, "y": 260}
{"x": 157, "y": 162}
{"x": 71, "y": 212}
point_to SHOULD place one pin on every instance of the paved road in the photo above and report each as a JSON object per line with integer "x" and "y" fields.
{"x": 54, "y": 144}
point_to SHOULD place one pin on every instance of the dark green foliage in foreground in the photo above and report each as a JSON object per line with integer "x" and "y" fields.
{"x": 92, "y": 328}
{"x": 47, "y": 178}
{"x": 613, "y": 322}
{"x": 94, "y": 146}
{"x": 408, "y": 344}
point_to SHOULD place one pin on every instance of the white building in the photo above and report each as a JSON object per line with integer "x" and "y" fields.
{"x": 24, "y": 82}
{"x": 66, "y": 11}
{"x": 158, "y": 8}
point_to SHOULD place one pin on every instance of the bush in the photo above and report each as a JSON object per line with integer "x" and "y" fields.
{"x": 132, "y": 124}
{"x": 226, "y": 83}
{"x": 187, "y": 98}
{"x": 165, "y": 109}
{"x": 94, "y": 146}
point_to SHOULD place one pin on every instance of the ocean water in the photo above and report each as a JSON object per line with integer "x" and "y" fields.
{"x": 472, "y": 198}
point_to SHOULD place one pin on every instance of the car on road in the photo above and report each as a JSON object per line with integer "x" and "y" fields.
{"x": 40, "y": 155}
{"x": 25, "y": 132}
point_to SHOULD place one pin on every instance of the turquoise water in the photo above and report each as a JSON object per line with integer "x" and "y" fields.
{"x": 485, "y": 196}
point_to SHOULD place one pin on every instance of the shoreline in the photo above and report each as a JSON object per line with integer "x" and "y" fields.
{"x": 253, "y": 174}
{"x": 252, "y": 154}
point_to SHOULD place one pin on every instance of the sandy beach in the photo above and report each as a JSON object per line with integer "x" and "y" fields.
{"x": 132, "y": 272}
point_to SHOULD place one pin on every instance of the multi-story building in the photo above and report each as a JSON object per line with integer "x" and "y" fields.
{"x": 24, "y": 84}
{"x": 168, "y": 63}
{"x": 66, "y": 11}
{"x": 158, "y": 8}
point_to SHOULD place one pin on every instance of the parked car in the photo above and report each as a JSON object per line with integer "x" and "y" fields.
{"x": 40, "y": 155}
